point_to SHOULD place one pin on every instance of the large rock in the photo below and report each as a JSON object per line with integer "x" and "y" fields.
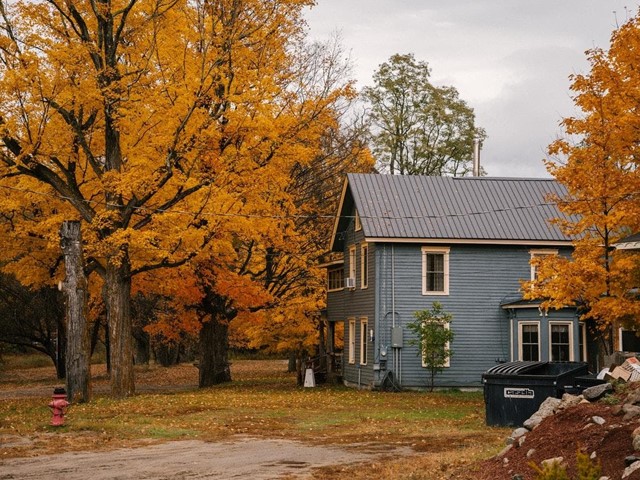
{"x": 597, "y": 391}
{"x": 569, "y": 400}
{"x": 547, "y": 409}
{"x": 631, "y": 412}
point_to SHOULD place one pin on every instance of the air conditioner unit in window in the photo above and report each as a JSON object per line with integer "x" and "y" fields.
{"x": 350, "y": 282}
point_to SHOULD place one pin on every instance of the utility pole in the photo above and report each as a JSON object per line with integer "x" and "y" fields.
{"x": 75, "y": 289}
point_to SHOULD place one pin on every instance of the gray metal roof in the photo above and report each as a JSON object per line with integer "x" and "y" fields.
{"x": 470, "y": 208}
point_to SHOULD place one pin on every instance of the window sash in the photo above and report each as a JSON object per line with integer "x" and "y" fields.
{"x": 364, "y": 266}
{"x": 529, "y": 342}
{"x": 560, "y": 342}
{"x": 363, "y": 340}
{"x": 352, "y": 261}
{"x": 335, "y": 279}
{"x": 435, "y": 270}
{"x": 447, "y": 363}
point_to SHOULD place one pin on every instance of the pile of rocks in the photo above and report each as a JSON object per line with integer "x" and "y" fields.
{"x": 628, "y": 409}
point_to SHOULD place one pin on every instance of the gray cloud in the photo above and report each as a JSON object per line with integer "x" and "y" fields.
{"x": 510, "y": 60}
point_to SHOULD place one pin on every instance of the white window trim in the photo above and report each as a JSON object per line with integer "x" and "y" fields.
{"x": 520, "y": 351}
{"x": 352, "y": 340}
{"x": 571, "y": 349}
{"x": 583, "y": 352}
{"x": 352, "y": 262}
{"x": 445, "y": 252}
{"x": 448, "y": 346}
{"x": 364, "y": 322}
{"x": 364, "y": 262}
{"x": 538, "y": 252}
{"x": 357, "y": 222}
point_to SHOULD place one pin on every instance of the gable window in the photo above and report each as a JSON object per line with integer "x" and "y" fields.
{"x": 536, "y": 254}
{"x": 356, "y": 221}
{"x": 363, "y": 340}
{"x": 335, "y": 278}
{"x": 352, "y": 262}
{"x": 529, "y": 344}
{"x": 560, "y": 342}
{"x": 352, "y": 340}
{"x": 364, "y": 266}
{"x": 435, "y": 270}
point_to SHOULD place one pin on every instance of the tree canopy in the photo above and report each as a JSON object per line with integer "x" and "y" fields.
{"x": 597, "y": 160}
{"x": 419, "y": 128}
{"x": 171, "y": 130}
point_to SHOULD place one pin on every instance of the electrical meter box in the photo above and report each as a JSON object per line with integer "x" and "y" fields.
{"x": 396, "y": 337}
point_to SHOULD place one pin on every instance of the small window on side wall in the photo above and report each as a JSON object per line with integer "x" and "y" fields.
{"x": 529, "y": 344}
{"x": 536, "y": 254}
{"x": 435, "y": 270}
{"x": 561, "y": 342}
{"x": 363, "y": 340}
{"x": 364, "y": 265}
{"x": 352, "y": 340}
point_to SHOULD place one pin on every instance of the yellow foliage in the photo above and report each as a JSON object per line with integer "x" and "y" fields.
{"x": 601, "y": 174}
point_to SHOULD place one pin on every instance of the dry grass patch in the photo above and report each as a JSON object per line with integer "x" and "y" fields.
{"x": 263, "y": 401}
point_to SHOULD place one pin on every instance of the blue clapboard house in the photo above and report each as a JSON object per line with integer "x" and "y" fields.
{"x": 403, "y": 242}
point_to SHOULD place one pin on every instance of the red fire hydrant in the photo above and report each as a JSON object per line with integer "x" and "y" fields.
{"x": 58, "y": 406}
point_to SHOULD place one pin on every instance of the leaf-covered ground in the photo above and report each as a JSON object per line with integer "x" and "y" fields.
{"x": 443, "y": 429}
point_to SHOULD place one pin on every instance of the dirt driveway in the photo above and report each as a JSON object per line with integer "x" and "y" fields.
{"x": 191, "y": 459}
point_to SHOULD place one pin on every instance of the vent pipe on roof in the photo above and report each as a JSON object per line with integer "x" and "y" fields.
{"x": 476, "y": 156}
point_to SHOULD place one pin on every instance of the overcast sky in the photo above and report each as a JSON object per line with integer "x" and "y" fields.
{"x": 509, "y": 59}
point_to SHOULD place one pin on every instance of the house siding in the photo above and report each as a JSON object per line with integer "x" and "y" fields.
{"x": 356, "y": 303}
{"x": 479, "y": 279}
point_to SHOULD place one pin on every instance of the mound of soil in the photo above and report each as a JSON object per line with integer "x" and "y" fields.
{"x": 563, "y": 435}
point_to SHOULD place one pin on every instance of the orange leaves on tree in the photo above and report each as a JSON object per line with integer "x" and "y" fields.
{"x": 598, "y": 162}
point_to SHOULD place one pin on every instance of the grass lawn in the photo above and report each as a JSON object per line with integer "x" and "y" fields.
{"x": 445, "y": 429}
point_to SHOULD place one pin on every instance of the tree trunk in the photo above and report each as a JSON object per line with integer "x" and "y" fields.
{"x": 214, "y": 350}
{"x": 291, "y": 367}
{"x": 78, "y": 354}
{"x": 167, "y": 354}
{"x": 143, "y": 347}
{"x": 117, "y": 297}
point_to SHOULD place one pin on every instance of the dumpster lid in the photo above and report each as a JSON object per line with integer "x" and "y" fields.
{"x": 514, "y": 367}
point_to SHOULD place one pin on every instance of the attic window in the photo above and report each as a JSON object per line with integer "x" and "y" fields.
{"x": 358, "y": 225}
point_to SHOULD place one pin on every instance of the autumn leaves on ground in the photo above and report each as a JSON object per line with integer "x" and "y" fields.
{"x": 444, "y": 429}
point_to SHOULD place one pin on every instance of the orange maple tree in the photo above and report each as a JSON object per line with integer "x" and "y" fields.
{"x": 170, "y": 129}
{"x": 598, "y": 161}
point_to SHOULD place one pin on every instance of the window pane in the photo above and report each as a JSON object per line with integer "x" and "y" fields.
{"x": 435, "y": 272}
{"x": 530, "y": 346}
{"x": 560, "y": 343}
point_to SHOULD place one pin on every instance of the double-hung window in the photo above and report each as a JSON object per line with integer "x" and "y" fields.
{"x": 363, "y": 340}
{"x": 560, "y": 342}
{"x": 427, "y": 351}
{"x": 364, "y": 265}
{"x": 335, "y": 278}
{"x": 435, "y": 270}
{"x": 352, "y": 263}
{"x": 529, "y": 334}
{"x": 536, "y": 254}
